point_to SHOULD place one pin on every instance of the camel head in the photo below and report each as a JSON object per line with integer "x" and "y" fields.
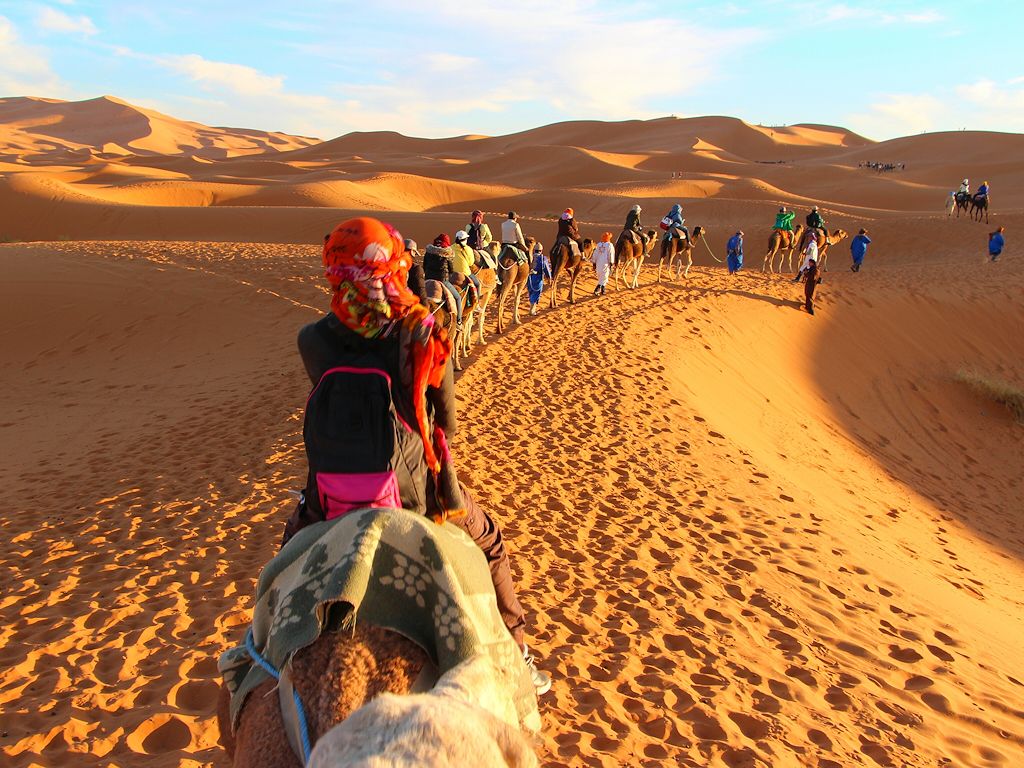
{"x": 838, "y": 235}
{"x": 698, "y": 232}
{"x": 588, "y": 246}
{"x": 652, "y": 238}
{"x": 530, "y": 241}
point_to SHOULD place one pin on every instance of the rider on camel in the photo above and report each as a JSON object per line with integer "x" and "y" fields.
{"x": 965, "y": 188}
{"x": 567, "y": 229}
{"x": 633, "y": 225}
{"x": 982, "y": 192}
{"x": 814, "y": 220}
{"x": 464, "y": 258}
{"x": 437, "y": 265}
{"x": 478, "y": 232}
{"x": 784, "y": 220}
{"x": 673, "y": 223}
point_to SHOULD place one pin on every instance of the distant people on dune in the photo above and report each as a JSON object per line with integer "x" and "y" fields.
{"x": 858, "y": 248}
{"x": 996, "y": 243}
{"x": 734, "y": 253}
{"x": 603, "y": 259}
{"x": 882, "y": 167}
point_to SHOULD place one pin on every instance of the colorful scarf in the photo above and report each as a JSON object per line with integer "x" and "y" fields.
{"x": 477, "y": 217}
{"x": 366, "y": 263}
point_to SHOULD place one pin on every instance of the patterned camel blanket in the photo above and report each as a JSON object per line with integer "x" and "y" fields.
{"x": 392, "y": 569}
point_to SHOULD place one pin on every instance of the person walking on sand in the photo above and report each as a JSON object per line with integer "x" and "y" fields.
{"x": 375, "y": 316}
{"x": 478, "y": 233}
{"x": 810, "y": 254}
{"x": 535, "y": 282}
{"x": 950, "y": 204}
{"x": 603, "y": 259}
{"x": 859, "y": 247}
{"x": 996, "y": 243}
{"x": 734, "y": 253}
{"x": 811, "y": 281}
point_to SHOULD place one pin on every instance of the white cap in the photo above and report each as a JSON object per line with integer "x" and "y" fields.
{"x": 461, "y": 235}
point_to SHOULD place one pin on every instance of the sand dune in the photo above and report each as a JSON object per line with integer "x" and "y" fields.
{"x": 744, "y": 536}
{"x": 107, "y": 152}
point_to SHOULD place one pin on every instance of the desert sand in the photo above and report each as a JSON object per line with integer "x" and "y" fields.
{"x": 744, "y": 536}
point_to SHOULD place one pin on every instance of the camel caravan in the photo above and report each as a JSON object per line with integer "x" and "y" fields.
{"x": 387, "y": 630}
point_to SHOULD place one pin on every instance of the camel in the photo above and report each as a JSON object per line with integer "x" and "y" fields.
{"x": 349, "y": 621}
{"x": 784, "y": 244}
{"x": 979, "y": 205}
{"x": 563, "y": 257}
{"x": 513, "y": 279}
{"x": 629, "y": 257}
{"x": 832, "y": 239}
{"x": 674, "y": 248}
{"x": 337, "y": 674}
{"x": 440, "y": 303}
{"x": 488, "y": 282}
{"x": 467, "y": 718}
{"x": 963, "y": 203}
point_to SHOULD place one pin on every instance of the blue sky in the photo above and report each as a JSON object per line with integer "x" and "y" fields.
{"x": 451, "y": 67}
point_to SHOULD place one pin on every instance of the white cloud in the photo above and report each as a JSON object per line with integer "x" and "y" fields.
{"x": 216, "y": 75}
{"x": 981, "y": 105}
{"x": 840, "y": 12}
{"x": 52, "y": 20}
{"x": 24, "y": 69}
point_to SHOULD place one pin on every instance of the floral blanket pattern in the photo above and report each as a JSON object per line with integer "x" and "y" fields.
{"x": 392, "y": 569}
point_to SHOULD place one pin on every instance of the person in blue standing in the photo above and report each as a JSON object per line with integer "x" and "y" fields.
{"x": 734, "y": 253}
{"x": 535, "y": 282}
{"x": 996, "y": 242}
{"x": 859, "y": 247}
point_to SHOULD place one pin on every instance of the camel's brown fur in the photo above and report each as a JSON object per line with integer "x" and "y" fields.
{"x": 832, "y": 239}
{"x": 513, "y": 280}
{"x": 563, "y": 259}
{"x": 777, "y": 245}
{"x": 335, "y": 676}
{"x": 674, "y": 249}
{"x": 629, "y": 258}
{"x": 488, "y": 282}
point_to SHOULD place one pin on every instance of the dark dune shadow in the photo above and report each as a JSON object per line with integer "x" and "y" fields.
{"x": 888, "y": 376}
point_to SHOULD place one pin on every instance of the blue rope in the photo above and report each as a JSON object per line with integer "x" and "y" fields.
{"x": 267, "y": 667}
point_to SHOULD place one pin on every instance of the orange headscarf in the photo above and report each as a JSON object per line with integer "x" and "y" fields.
{"x": 366, "y": 263}
{"x": 606, "y": 237}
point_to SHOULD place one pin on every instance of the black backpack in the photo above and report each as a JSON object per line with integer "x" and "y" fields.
{"x": 361, "y": 451}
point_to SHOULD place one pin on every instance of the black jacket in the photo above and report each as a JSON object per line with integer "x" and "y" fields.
{"x": 633, "y": 223}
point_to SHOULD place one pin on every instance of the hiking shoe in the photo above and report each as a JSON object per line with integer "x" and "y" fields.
{"x": 541, "y": 680}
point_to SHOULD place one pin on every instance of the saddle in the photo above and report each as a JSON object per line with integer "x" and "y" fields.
{"x": 507, "y": 249}
{"x": 573, "y": 245}
{"x": 785, "y": 237}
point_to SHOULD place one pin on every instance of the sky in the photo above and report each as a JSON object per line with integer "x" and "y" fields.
{"x": 452, "y": 67}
